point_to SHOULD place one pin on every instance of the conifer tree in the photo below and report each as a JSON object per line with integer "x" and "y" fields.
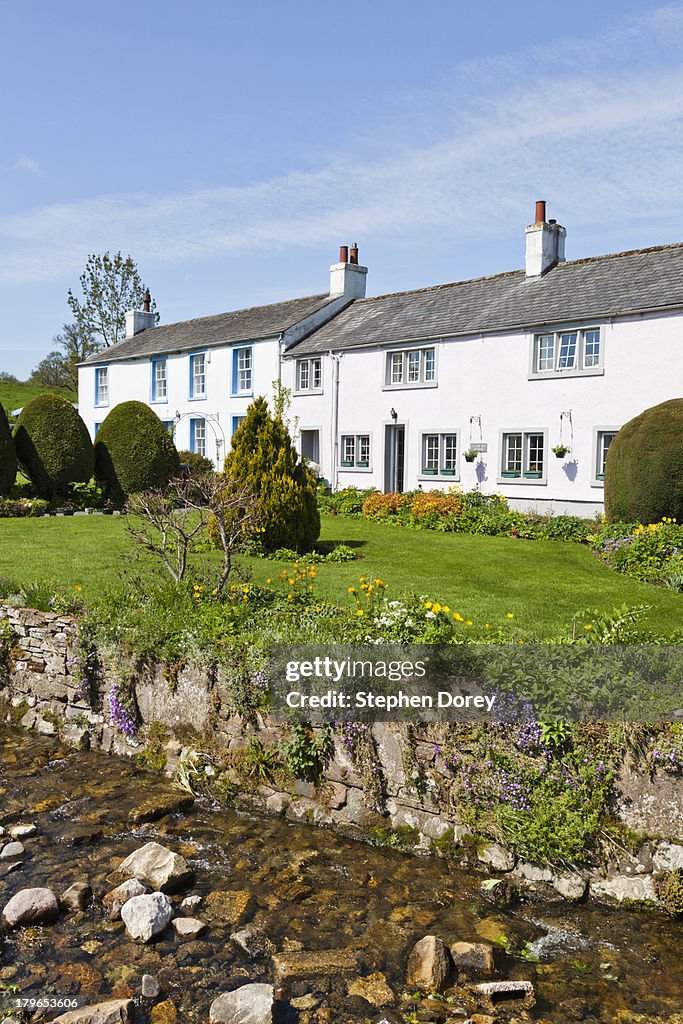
{"x": 263, "y": 456}
{"x": 8, "y": 455}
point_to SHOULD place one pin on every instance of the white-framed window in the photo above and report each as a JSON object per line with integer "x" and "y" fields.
{"x": 572, "y": 351}
{"x": 198, "y": 375}
{"x": 412, "y": 368}
{"x": 243, "y": 370}
{"x": 523, "y": 455}
{"x": 102, "y": 385}
{"x": 603, "y": 439}
{"x": 198, "y": 435}
{"x": 355, "y": 451}
{"x": 440, "y": 454}
{"x": 159, "y": 381}
{"x": 309, "y": 374}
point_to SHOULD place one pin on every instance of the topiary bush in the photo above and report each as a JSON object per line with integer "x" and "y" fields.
{"x": 133, "y": 451}
{"x": 264, "y": 457}
{"x": 8, "y": 455}
{"x": 53, "y": 445}
{"x": 644, "y": 467}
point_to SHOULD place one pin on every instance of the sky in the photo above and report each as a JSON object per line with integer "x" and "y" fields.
{"x": 230, "y": 148}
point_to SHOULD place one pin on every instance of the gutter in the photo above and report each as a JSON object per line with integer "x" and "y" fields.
{"x": 336, "y": 359}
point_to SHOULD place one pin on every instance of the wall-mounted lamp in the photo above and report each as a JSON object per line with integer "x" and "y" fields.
{"x": 394, "y": 415}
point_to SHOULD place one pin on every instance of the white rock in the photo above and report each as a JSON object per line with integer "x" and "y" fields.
{"x": 115, "y": 899}
{"x": 164, "y": 870}
{"x": 188, "y": 927}
{"x": 114, "y": 1011}
{"x": 571, "y": 887}
{"x": 147, "y": 916}
{"x": 31, "y": 906}
{"x": 250, "y": 1004}
{"x": 668, "y": 857}
{"x": 622, "y": 888}
{"x": 497, "y": 857}
{"x": 22, "y": 831}
{"x": 12, "y": 850}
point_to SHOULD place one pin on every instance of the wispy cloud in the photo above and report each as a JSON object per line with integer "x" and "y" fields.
{"x": 593, "y": 124}
{"x": 25, "y": 163}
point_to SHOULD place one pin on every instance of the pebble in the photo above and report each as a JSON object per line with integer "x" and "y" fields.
{"x": 12, "y": 850}
{"x": 150, "y": 987}
{"x": 22, "y": 831}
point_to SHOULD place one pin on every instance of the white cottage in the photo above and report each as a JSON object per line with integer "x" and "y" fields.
{"x": 473, "y": 383}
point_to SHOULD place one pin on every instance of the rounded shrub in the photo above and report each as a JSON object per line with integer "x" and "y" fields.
{"x": 264, "y": 457}
{"x": 8, "y": 455}
{"x": 644, "y": 467}
{"x": 53, "y": 445}
{"x": 133, "y": 451}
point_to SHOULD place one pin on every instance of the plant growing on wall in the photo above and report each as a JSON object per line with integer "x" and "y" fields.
{"x": 264, "y": 458}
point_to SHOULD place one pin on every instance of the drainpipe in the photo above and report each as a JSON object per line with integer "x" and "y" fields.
{"x": 335, "y": 420}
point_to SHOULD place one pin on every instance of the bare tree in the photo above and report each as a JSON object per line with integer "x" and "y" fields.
{"x": 170, "y": 519}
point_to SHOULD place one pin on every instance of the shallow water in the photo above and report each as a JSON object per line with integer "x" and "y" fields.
{"x": 306, "y": 886}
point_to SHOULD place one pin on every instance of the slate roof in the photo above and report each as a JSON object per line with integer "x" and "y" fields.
{"x": 579, "y": 290}
{"x": 210, "y": 331}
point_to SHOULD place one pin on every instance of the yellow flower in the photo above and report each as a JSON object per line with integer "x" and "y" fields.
{"x": 486, "y": 626}
{"x": 77, "y": 587}
{"x": 245, "y": 598}
{"x": 458, "y": 617}
{"x": 589, "y": 626}
{"x": 359, "y": 612}
{"x": 428, "y": 604}
{"x": 269, "y": 581}
{"x": 436, "y": 608}
{"x": 352, "y": 590}
{"x": 509, "y": 615}
{"x": 291, "y": 582}
{"x": 445, "y": 609}
{"x": 290, "y": 597}
{"x": 469, "y": 622}
{"x": 362, "y": 579}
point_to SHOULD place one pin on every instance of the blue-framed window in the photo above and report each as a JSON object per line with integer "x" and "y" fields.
{"x": 159, "y": 380}
{"x": 243, "y": 371}
{"x": 198, "y": 435}
{"x": 96, "y": 428}
{"x": 170, "y": 425}
{"x": 198, "y": 375}
{"x": 236, "y": 420}
{"x": 101, "y": 385}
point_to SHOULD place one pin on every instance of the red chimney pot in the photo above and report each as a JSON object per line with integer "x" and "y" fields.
{"x": 353, "y": 255}
{"x": 540, "y": 211}
{"x": 343, "y": 254}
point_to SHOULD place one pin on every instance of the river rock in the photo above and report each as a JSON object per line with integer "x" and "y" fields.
{"x": 374, "y": 989}
{"x": 188, "y": 927}
{"x": 164, "y": 870}
{"x": 22, "y": 831}
{"x": 622, "y": 888}
{"x": 228, "y": 906}
{"x": 506, "y": 994}
{"x": 428, "y": 964}
{"x": 76, "y": 897}
{"x": 571, "y": 887}
{"x": 253, "y": 941}
{"x": 114, "y": 1011}
{"x": 325, "y": 963}
{"x": 12, "y": 851}
{"x": 496, "y": 856}
{"x": 250, "y": 1004}
{"x": 31, "y": 906}
{"x": 473, "y": 957}
{"x": 160, "y": 806}
{"x": 668, "y": 857}
{"x": 115, "y": 899}
{"x": 150, "y": 987}
{"x": 147, "y": 916}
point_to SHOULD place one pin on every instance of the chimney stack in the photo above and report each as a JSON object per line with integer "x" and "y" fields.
{"x": 347, "y": 278}
{"x": 140, "y": 319}
{"x": 544, "y": 243}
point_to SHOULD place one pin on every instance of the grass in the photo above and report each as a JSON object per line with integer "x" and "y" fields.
{"x": 15, "y": 396}
{"x": 543, "y": 583}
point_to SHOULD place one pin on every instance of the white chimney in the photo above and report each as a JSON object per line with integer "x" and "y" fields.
{"x": 544, "y": 243}
{"x": 140, "y": 319}
{"x": 346, "y": 277}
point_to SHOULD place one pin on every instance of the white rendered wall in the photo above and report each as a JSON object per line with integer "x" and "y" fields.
{"x": 488, "y": 377}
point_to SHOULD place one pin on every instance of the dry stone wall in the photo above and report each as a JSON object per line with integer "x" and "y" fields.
{"x": 39, "y": 690}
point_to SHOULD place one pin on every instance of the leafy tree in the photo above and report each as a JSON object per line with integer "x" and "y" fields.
{"x": 51, "y": 372}
{"x": 644, "y": 466}
{"x": 8, "y": 378}
{"x": 264, "y": 457}
{"x": 111, "y": 285}
{"x": 8, "y": 455}
{"x": 133, "y": 451}
{"x": 53, "y": 445}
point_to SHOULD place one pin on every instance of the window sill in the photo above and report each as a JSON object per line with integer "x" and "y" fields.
{"x": 529, "y": 481}
{"x": 307, "y": 391}
{"x": 158, "y": 401}
{"x": 196, "y": 398}
{"x": 598, "y": 483}
{"x": 410, "y": 387}
{"x": 447, "y": 478}
{"x": 241, "y": 394}
{"x": 355, "y": 469}
{"x": 593, "y": 371}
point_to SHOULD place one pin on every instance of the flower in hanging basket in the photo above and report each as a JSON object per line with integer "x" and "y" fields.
{"x": 470, "y": 455}
{"x": 561, "y": 450}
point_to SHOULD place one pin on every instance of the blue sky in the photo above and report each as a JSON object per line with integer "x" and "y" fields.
{"x": 231, "y": 147}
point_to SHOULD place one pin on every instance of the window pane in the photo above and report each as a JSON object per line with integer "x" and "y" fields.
{"x": 605, "y": 438}
{"x": 160, "y": 379}
{"x": 512, "y": 453}
{"x": 200, "y": 437}
{"x": 198, "y": 375}
{"x": 348, "y": 449}
{"x": 302, "y": 367}
{"x": 317, "y": 368}
{"x": 567, "y": 357}
{"x": 244, "y": 369}
{"x": 413, "y": 367}
{"x": 429, "y": 364}
{"x": 363, "y": 449}
{"x": 591, "y": 355}
{"x": 546, "y": 352}
{"x": 431, "y": 451}
{"x": 449, "y": 451}
{"x": 396, "y": 365}
{"x": 534, "y": 453}
{"x": 102, "y": 385}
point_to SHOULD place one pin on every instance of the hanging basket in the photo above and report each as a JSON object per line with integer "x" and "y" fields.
{"x": 561, "y": 450}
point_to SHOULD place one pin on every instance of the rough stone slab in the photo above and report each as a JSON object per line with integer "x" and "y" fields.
{"x": 532, "y": 872}
{"x": 571, "y": 887}
{"x": 159, "y": 807}
{"x": 623, "y": 888}
{"x": 250, "y": 1004}
{"x": 507, "y": 993}
{"x": 228, "y": 906}
{"x": 323, "y": 964}
{"x": 161, "y": 868}
{"x": 374, "y": 989}
{"x": 668, "y": 857}
{"x": 114, "y": 1011}
{"x": 473, "y": 957}
{"x": 497, "y": 857}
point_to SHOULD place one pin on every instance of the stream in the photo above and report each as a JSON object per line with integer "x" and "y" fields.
{"x": 307, "y": 888}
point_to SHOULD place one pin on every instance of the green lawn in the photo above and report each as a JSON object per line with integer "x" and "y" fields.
{"x": 15, "y": 396}
{"x": 543, "y": 583}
